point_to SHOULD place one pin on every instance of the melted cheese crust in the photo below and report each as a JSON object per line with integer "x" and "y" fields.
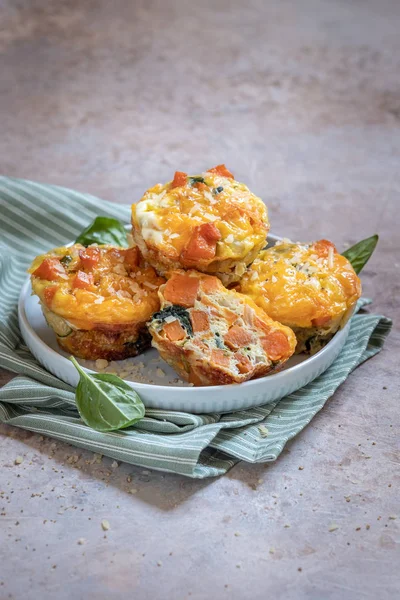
{"x": 165, "y": 218}
{"x": 303, "y": 285}
{"x": 123, "y": 292}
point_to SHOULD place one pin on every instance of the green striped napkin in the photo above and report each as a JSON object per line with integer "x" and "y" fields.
{"x": 35, "y": 218}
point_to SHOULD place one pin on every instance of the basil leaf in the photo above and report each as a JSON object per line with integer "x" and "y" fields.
{"x": 105, "y": 402}
{"x": 359, "y": 254}
{"x": 104, "y": 230}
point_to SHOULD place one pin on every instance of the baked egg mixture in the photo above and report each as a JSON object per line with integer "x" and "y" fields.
{"x": 97, "y": 299}
{"x": 308, "y": 287}
{"x": 209, "y": 222}
{"x": 211, "y": 335}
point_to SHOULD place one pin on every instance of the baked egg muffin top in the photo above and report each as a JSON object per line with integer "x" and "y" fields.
{"x": 97, "y": 285}
{"x": 193, "y": 221}
{"x": 302, "y": 285}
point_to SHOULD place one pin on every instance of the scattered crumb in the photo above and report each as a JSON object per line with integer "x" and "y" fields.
{"x": 392, "y": 517}
{"x": 237, "y": 534}
{"x": 19, "y": 460}
{"x": 272, "y": 550}
{"x": 287, "y": 525}
{"x": 347, "y": 498}
{"x": 159, "y": 563}
{"x": 263, "y": 431}
{"x": 333, "y": 527}
{"x": 71, "y": 460}
{"x": 301, "y": 468}
{"x": 367, "y": 527}
{"x": 105, "y": 525}
{"x": 358, "y": 528}
{"x": 81, "y": 541}
{"x": 114, "y": 464}
{"x": 160, "y": 372}
{"x": 101, "y": 363}
{"x": 260, "y": 480}
{"x": 299, "y": 569}
{"x": 132, "y": 491}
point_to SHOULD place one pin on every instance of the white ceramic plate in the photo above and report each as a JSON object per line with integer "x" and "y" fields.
{"x": 165, "y": 391}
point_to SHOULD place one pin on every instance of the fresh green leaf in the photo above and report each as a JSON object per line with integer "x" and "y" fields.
{"x": 105, "y": 402}
{"x": 175, "y": 311}
{"x": 218, "y": 190}
{"x": 359, "y": 254}
{"x": 104, "y": 230}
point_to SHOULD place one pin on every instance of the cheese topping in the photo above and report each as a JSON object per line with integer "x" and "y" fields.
{"x": 96, "y": 286}
{"x": 302, "y": 285}
{"x": 167, "y": 219}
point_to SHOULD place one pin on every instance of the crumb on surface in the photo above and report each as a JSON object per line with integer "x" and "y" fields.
{"x": 105, "y": 525}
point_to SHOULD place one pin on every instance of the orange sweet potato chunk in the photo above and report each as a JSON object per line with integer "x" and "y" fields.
{"x": 182, "y": 290}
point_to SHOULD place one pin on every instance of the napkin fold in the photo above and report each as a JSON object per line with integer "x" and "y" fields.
{"x": 36, "y": 217}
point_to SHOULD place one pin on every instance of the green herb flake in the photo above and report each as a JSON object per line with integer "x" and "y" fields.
{"x": 218, "y": 342}
{"x": 196, "y": 179}
{"x": 218, "y": 190}
{"x": 105, "y": 402}
{"x": 66, "y": 260}
{"x": 359, "y": 254}
{"x": 104, "y": 230}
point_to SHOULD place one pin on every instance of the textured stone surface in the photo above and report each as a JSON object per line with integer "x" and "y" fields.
{"x": 302, "y": 101}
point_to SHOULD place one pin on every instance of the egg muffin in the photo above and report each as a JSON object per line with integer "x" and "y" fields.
{"x": 308, "y": 287}
{"x": 207, "y": 222}
{"x": 97, "y": 299}
{"x": 213, "y": 336}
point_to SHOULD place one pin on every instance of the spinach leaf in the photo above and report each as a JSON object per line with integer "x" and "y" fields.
{"x": 104, "y": 230}
{"x": 175, "y": 311}
{"x": 65, "y": 260}
{"x": 197, "y": 179}
{"x": 218, "y": 342}
{"x": 105, "y": 402}
{"x": 359, "y": 254}
{"x": 218, "y": 190}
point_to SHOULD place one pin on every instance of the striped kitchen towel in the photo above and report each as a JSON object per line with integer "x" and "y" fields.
{"x": 35, "y": 218}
